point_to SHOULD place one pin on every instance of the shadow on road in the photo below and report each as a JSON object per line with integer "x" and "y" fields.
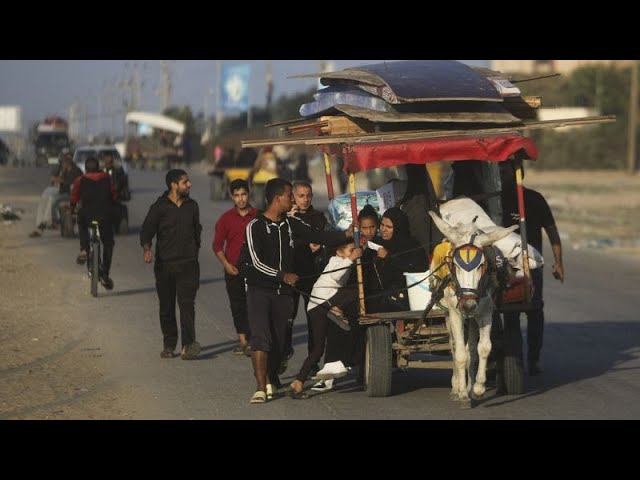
{"x": 594, "y": 349}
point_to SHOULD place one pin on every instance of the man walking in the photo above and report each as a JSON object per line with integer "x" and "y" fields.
{"x": 268, "y": 265}
{"x": 307, "y": 257}
{"x": 174, "y": 219}
{"x": 227, "y": 243}
{"x": 538, "y": 217}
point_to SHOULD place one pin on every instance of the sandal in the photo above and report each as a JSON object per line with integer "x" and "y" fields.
{"x": 258, "y": 397}
{"x": 301, "y": 395}
{"x": 340, "y": 320}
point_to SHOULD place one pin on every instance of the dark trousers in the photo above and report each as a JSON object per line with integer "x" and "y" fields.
{"x": 305, "y": 287}
{"x": 535, "y": 324}
{"x": 269, "y": 316}
{"x": 319, "y": 324}
{"x": 180, "y": 280}
{"x": 106, "y": 236}
{"x": 345, "y": 346}
{"x": 236, "y": 290}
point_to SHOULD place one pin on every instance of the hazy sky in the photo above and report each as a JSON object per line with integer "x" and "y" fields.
{"x": 43, "y": 87}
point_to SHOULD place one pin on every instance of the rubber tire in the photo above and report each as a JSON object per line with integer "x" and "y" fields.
{"x": 66, "y": 224}
{"x": 377, "y": 363}
{"x": 216, "y": 188}
{"x": 95, "y": 269}
{"x": 513, "y": 375}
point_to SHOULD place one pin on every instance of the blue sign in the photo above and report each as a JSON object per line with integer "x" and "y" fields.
{"x": 234, "y": 95}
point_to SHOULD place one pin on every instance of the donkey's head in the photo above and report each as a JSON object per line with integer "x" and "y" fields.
{"x": 468, "y": 262}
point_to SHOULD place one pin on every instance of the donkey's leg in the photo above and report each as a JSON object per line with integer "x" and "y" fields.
{"x": 484, "y": 348}
{"x": 472, "y": 349}
{"x": 460, "y": 353}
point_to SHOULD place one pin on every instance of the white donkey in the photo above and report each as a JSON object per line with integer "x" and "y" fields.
{"x": 468, "y": 297}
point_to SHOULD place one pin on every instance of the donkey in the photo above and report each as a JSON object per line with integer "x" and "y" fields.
{"x": 468, "y": 296}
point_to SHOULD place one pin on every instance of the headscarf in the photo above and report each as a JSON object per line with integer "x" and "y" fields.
{"x": 401, "y": 239}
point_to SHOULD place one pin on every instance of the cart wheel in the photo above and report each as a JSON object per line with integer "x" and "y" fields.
{"x": 216, "y": 188}
{"x": 377, "y": 363}
{"x": 513, "y": 375}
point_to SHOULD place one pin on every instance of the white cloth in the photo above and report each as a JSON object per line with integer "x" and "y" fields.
{"x": 328, "y": 283}
{"x": 464, "y": 210}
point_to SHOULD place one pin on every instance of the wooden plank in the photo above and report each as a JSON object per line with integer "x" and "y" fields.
{"x": 422, "y": 134}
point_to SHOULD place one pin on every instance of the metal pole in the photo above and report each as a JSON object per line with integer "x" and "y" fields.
{"x": 327, "y": 171}
{"x": 523, "y": 231}
{"x": 633, "y": 119}
{"x": 356, "y": 240}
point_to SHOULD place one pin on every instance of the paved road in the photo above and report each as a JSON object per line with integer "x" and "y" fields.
{"x": 590, "y": 357}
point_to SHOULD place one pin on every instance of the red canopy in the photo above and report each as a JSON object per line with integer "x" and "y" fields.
{"x": 492, "y": 148}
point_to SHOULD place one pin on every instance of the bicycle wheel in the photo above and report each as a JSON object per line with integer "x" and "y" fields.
{"x": 95, "y": 267}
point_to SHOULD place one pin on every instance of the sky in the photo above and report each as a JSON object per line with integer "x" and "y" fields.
{"x": 50, "y": 87}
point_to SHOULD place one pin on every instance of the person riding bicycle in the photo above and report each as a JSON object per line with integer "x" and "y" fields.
{"x": 97, "y": 195}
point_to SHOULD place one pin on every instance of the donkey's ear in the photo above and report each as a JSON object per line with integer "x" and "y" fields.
{"x": 492, "y": 237}
{"x": 451, "y": 233}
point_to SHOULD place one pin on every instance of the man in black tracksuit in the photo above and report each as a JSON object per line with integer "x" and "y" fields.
{"x": 175, "y": 219}
{"x": 268, "y": 264}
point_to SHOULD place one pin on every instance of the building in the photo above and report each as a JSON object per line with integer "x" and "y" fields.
{"x": 541, "y": 67}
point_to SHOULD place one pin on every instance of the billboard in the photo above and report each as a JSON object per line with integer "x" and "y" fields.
{"x": 234, "y": 92}
{"x": 10, "y": 119}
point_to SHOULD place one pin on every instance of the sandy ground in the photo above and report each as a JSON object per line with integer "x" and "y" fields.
{"x": 597, "y": 209}
{"x": 50, "y": 360}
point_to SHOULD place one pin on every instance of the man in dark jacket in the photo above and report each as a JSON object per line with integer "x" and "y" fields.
{"x": 307, "y": 259}
{"x": 174, "y": 219}
{"x": 268, "y": 264}
{"x": 97, "y": 196}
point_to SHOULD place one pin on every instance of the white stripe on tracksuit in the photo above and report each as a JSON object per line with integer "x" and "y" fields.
{"x": 254, "y": 256}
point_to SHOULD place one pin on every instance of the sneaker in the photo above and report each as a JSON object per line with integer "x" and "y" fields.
{"x": 332, "y": 370}
{"x": 167, "y": 353}
{"x": 190, "y": 352}
{"x": 106, "y": 282}
{"x": 323, "y": 385}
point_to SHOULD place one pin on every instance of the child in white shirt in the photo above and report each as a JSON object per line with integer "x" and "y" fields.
{"x": 326, "y": 287}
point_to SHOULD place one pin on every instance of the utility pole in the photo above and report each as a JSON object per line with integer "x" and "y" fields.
{"x": 633, "y": 119}
{"x": 165, "y": 88}
{"x": 218, "y": 90}
{"x": 269, "y": 79}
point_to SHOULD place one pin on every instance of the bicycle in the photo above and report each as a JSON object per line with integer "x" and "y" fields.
{"x": 94, "y": 260}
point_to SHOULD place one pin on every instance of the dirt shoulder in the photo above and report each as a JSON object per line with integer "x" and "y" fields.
{"x": 594, "y": 209}
{"x": 50, "y": 355}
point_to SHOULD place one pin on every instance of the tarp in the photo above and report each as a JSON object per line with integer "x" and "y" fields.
{"x": 156, "y": 120}
{"x": 497, "y": 148}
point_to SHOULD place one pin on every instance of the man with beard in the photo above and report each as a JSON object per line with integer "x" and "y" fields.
{"x": 175, "y": 220}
